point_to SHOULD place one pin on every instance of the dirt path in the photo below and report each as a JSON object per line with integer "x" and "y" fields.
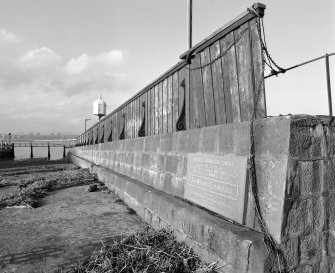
{"x": 68, "y": 225}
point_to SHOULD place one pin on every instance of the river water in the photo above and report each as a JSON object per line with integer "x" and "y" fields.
{"x": 38, "y": 152}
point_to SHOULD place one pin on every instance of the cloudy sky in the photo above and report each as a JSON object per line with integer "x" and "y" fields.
{"x": 56, "y": 56}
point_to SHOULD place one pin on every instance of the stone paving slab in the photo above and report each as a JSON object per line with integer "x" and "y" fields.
{"x": 69, "y": 224}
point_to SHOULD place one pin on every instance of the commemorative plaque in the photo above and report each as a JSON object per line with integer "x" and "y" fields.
{"x": 218, "y": 183}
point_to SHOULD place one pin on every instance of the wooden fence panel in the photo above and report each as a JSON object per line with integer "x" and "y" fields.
{"x": 160, "y": 112}
{"x": 156, "y": 110}
{"x": 219, "y": 96}
{"x": 256, "y": 53}
{"x": 245, "y": 71}
{"x": 221, "y": 76}
{"x": 175, "y": 101}
{"x": 208, "y": 87}
{"x": 164, "y": 105}
{"x": 229, "y": 67}
{"x": 198, "y": 116}
{"x": 169, "y": 104}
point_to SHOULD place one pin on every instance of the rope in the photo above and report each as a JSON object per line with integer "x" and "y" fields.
{"x": 268, "y": 240}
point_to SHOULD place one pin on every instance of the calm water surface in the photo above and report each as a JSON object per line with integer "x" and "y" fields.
{"x": 38, "y": 152}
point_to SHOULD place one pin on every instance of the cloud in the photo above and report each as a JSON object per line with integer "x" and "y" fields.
{"x": 53, "y": 93}
{"x": 8, "y": 37}
{"x": 38, "y": 58}
{"x": 86, "y": 62}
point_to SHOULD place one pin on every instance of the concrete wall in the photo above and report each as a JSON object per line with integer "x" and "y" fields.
{"x": 295, "y": 182}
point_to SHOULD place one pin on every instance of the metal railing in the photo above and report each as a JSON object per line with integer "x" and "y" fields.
{"x": 326, "y": 57}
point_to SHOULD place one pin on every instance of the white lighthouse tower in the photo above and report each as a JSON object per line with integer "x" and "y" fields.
{"x": 99, "y": 107}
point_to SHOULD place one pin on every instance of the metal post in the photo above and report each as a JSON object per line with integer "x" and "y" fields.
{"x": 48, "y": 151}
{"x": 13, "y": 153}
{"x": 64, "y": 151}
{"x": 328, "y": 86}
{"x": 189, "y": 2}
{"x": 31, "y": 150}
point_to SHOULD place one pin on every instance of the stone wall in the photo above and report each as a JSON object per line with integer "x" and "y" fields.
{"x": 294, "y": 177}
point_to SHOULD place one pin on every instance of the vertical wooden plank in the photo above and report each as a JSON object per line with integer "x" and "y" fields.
{"x": 230, "y": 76}
{"x": 123, "y": 119}
{"x": 134, "y": 119}
{"x": 160, "y": 114}
{"x": 175, "y": 101}
{"x": 128, "y": 121}
{"x": 164, "y": 106}
{"x": 169, "y": 104}
{"x": 138, "y": 117}
{"x": 198, "y": 120}
{"x": 146, "y": 113}
{"x": 118, "y": 117}
{"x": 152, "y": 111}
{"x": 219, "y": 98}
{"x": 188, "y": 107}
{"x": 244, "y": 67}
{"x": 150, "y": 119}
{"x": 142, "y": 113}
{"x": 208, "y": 87}
{"x": 156, "y": 110}
{"x": 257, "y": 68}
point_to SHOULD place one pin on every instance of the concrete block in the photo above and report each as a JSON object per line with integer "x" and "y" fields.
{"x": 310, "y": 249}
{"x": 226, "y": 139}
{"x": 271, "y": 209}
{"x": 271, "y": 176}
{"x": 209, "y": 139}
{"x": 272, "y": 136}
{"x": 151, "y": 143}
{"x": 171, "y": 163}
{"x": 188, "y": 141}
{"x": 129, "y": 145}
{"x": 241, "y": 138}
{"x": 139, "y": 144}
{"x": 165, "y": 143}
{"x": 171, "y": 185}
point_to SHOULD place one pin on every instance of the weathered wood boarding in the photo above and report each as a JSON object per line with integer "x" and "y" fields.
{"x": 215, "y": 82}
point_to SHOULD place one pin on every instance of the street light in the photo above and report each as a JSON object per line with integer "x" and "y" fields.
{"x": 86, "y": 119}
{"x": 190, "y": 4}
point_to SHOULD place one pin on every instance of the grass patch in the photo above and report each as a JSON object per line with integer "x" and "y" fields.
{"x": 30, "y": 190}
{"x": 149, "y": 251}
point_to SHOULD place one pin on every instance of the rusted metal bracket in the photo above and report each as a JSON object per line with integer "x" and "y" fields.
{"x": 110, "y": 137}
{"x": 181, "y": 123}
{"x": 122, "y": 135}
{"x": 102, "y": 140}
{"x": 96, "y": 141}
{"x": 141, "y": 132}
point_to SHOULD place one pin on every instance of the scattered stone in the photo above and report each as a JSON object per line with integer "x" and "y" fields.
{"x": 92, "y": 188}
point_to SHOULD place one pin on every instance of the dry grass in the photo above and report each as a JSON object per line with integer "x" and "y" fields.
{"x": 30, "y": 190}
{"x": 149, "y": 251}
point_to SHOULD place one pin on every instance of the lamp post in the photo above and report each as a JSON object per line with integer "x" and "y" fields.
{"x": 86, "y": 119}
{"x": 189, "y": 3}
